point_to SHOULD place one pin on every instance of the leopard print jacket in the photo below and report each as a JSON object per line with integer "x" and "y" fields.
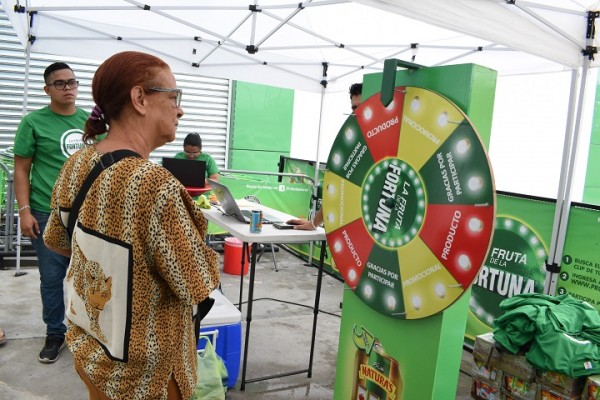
{"x": 139, "y": 262}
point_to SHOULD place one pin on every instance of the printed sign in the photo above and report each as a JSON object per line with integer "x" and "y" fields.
{"x": 580, "y": 269}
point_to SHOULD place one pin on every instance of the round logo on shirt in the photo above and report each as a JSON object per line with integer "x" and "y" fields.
{"x": 71, "y": 141}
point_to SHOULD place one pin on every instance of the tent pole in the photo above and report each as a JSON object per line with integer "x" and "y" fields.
{"x": 316, "y": 182}
{"x": 551, "y": 263}
{"x": 10, "y": 206}
{"x": 563, "y": 201}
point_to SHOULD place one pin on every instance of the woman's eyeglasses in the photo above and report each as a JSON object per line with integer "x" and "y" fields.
{"x": 61, "y": 85}
{"x": 179, "y": 93}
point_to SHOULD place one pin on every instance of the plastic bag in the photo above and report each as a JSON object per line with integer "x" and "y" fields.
{"x": 212, "y": 375}
{"x": 203, "y": 201}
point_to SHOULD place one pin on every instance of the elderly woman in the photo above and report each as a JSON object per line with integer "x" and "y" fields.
{"x": 138, "y": 255}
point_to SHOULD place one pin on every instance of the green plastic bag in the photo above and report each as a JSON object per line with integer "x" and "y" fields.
{"x": 212, "y": 375}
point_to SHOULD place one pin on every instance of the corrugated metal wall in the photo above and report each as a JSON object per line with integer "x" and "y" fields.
{"x": 205, "y": 100}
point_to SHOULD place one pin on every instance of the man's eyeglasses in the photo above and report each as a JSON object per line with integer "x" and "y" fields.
{"x": 61, "y": 85}
{"x": 193, "y": 153}
{"x": 179, "y": 93}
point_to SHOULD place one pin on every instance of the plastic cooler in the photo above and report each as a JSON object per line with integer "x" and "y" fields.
{"x": 223, "y": 324}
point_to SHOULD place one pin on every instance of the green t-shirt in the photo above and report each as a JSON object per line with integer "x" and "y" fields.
{"x": 48, "y": 139}
{"x": 211, "y": 165}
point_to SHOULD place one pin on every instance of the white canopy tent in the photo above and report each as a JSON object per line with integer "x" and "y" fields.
{"x": 324, "y": 45}
{"x": 285, "y": 44}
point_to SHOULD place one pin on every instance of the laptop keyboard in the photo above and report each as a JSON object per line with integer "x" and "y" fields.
{"x": 247, "y": 213}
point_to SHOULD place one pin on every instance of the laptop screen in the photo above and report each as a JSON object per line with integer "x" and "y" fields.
{"x": 190, "y": 173}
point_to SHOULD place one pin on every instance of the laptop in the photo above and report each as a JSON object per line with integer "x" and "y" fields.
{"x": 231, "y": 208}
{"x": 191, "y": 173}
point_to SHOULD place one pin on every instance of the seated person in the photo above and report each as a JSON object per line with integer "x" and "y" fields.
{"x": 192, "y": 150}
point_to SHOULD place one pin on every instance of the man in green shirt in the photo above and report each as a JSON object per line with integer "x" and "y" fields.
{"x": 192, "y": 150}
{"x": 45, "y": 139}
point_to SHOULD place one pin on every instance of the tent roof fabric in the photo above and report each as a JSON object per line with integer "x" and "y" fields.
{"x": 309, "y": 44}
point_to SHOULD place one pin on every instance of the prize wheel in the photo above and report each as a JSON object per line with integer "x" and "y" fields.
{"x": 409, "y": 203}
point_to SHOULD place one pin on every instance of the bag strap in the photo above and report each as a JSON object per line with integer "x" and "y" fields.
{"x": 106, "y": 161}
{"x": 203, "y": 308}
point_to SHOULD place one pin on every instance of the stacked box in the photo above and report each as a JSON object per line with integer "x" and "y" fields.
{"x": 550, "y": 392}
{"x": 591, "y": 391}
{"x": 483, "y": 389}
{"x": 570, "y": 384}
{"x": 517, "y": 388}
{"x": 515, "y": 365}
{"x": 487, "y": 382}
{"x": 505, "y": 376}
{"x": 508, "y": 396}
{"x": 557, "y": 386}
{"x": 480, "y": 370}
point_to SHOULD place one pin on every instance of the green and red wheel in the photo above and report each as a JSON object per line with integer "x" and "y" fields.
{"x": 409, "y": 203}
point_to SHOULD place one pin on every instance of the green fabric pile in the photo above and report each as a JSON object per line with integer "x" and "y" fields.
{"x": 561, "y": 334}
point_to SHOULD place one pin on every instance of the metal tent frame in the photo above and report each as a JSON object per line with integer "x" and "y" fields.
{"x": 263, "y": 44}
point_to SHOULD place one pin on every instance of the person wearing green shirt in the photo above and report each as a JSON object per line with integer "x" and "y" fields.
{"x": 192, "y": 150}
{"x": 44, "y": 140}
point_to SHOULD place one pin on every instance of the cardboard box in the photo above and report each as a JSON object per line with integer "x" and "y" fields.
{"x": 484, "y": 351}
{"x": 564, "y": 385}
{"x": 547, "y": 392}
{"x": 518, "y": 388}
{"x": 508, "y": 396}
{"x": 483, "y": 389}
{"x": 591, "y": 391}
{"x": 490, "y": 374}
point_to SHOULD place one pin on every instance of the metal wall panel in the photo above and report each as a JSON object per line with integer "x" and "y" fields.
{"x": 205, "y": 100}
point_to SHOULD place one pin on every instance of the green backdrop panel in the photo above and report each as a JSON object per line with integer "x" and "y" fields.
{"x": 262, "y": 117}
{"x": 580, "y": 267}
{"x": 516, "y": 261}
{"x": 591, "y": 190}
{"x": 592, "y": 193}
{"x": 297, "y": 166}
{"x": 255, "y": 160}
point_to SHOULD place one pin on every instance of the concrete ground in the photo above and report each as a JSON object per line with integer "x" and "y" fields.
{"x": 279, "y": 341}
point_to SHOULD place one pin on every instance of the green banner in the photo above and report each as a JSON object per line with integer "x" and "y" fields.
{"x": 580, "y": 268}
{"x": 290, "y": 198}
{"x": 516, "y": 260}
{"x": 591, "y": 188}
{"x": 297, "y": 166}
